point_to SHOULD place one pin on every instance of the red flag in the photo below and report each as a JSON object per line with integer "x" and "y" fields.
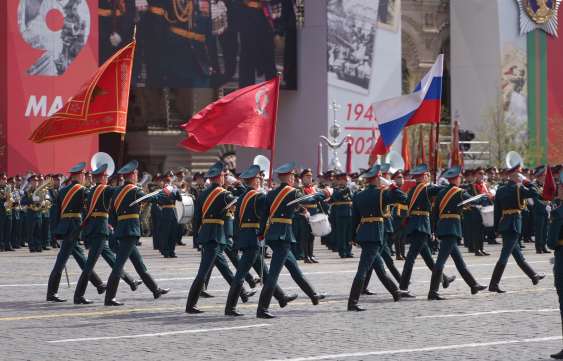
{"x": 455, "y": 154}
{"x": 246, "y": 117}
{"x": 99, "y": 106}
{"x": 433, "y": 147}
{"x": 406, "y": 150}
{"x": 549, "y": 185}
{"x": 349, "y": 158}
{"x": 421, "y": 154}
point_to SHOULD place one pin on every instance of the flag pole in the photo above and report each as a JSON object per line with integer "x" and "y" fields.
{"x": 273, "y": 138}
{"x": 437, "y": 150}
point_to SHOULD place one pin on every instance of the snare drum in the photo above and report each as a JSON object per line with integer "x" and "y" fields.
{"x": 320, "y": 226}
{"x": 219, "y": 14}
{"x": 488, "y": 215}
{"x": 185, "y": 209}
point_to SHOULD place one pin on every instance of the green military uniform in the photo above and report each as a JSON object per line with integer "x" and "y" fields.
{"x": 343, "y": 197}
{"x": 540, "y": 208}
{"x": 196, "y": 191}
{"x": 55, "y": 208}
{"x": 555, "y": 242}
{"x": 33, "y": 219}
{"x": 169, "y": 225}
{"x": 15, "y": 234}
{"x": 156, "y": 214}
{"x": 5, "y": 216}
{"x": 46, "y": 223}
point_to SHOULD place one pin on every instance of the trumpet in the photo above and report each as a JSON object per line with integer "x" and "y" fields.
{"x": 183, "y": 186}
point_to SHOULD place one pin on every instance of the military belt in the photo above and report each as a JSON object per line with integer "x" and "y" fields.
{"x": 456, "y": 216}
{"x": 253, "y": 4}
{"x": 156, "y": 10}
{"x": 71, "y": 215}
{"x": 510, "y": 211}
{"x": 310, "y": 205}
{"x": 545, "y": 202}
{"x": 280, "y": 220}
{"x": 342, "y": 203}
{"x": 560, "y": 243}
{"x": 420, "y": 213}
{"x": 332, "y": 204}
{"x": 250, "y": 225}
{"x": 128, "y": 216}
{"x": 168, "y": 206}
{"x": 99, "y": 214}
{"x": 371, "y": 219}
{"x": 107, "y": 13}
{"x": 403, "y": 207}
{"x": 215, "y": 221}
{"x": 188, "y": 34}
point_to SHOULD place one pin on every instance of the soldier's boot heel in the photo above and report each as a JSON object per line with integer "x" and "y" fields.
{"x": 310, "y": 291}
{"x": 433, "y": 294}
{"x": 246, "y": 294}
{"x": 133, "y": 283}
{"x": 232, "y": 298}
{"x": 365, "y": 290}
{"x": 398, "y": 250}
{"x": 282, "y": 297}
{"x": 193, "y": 297}
{"x": 558, "y": 356}
{"x": 446, "y": 280}
{"x": 251, "y": 280}
{"x": 495, "y": 279}
{"x": 355, "y": 292}
{"x": 405, "y": 281}
{"x": 152, "y": 286}
{"x": 393, "y": 289}
{"x": 204, "y": 292}
{"x": 471, "y": 281}
{"x": 53, "y": 287}
{"x": 264, "y": 303}
{"x": 111, "y": 291}
{"x": 529, "y": 271}
{"x": 81, "y": 286}
{"x": 306, "y": 255}
{"x": 97, "y": 282}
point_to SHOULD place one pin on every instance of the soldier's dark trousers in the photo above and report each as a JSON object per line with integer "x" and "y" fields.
{"x": 333, "y": 236}
{"x": 447, "y": 248}
{"x": 228, "y": 248}
{"x": 97, "y": 241}
{"x": 52, "y": 224}
{"x": 249, "y": 256}
{"x": 128, "y": 249}
{"x": 558, "y": 275}
{"x": 510, "y": 246}
{"x": 541, "y": 225}
{"x": 385, "y": 251}
{"x": 156, "y": 229}
{"x": 419, "y": 245}
{"x": 296, "y": 248}
{"x": 210, "y": 251}
{"x": 307, "y": 239}
{"x": 45, "y": 231}
{"x": 281, "y": 255}
{"x": 15, "y": 235}
{"x": 6, "y": 232}
{"x": 167, "y": 237}
{"x": 343, "y": 230}
{"x": 179, "y": 232}
{"x": 468, "y": 230}
{"x": 66, "y": 250}
{"x": 34, "y": 234}
{"x": 370, "y": 257}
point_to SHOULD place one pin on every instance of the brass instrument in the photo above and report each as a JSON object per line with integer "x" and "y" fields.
{"x": 183, "y": 186}
{"x": 9, "y": 199}
{"x": 41, "y": 192}
{"x": 25, "y": 185}
{"x": 87, "y": 184}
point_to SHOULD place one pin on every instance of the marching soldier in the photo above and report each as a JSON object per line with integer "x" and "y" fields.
{"x": 156, "y": 213}
{"x": 342, "y": 208}
{"x": 208, "y": 232}
{"x": 368, "y": 233}
{"x": 509, "y": 202}
{"x": 275, "y": 223}
{"x": 55, "y": 206}
{"x": 15, "y": 234}
{"x": 478, "y": 229}
{"x": 5, "y": 215}
{"x": 307, "y": 238}
{"x": 492, "y": 184}
{"x": 332, "y": 238}
{"x": 116, "y": 21}
{"x": 169, "y": 222}
{"x": 45, "y": 222}
{"x": 247, "y": 224}
{"x": 128, "y": 232}
{"x": 22, "y": 224}
{"x": 71, "y": 199}
{"x": 417, "y": 228}
{"x": 447, "y": 226}
{"x": 540, "y": 211}
{"x": 398, "y": 213}
{"x": 296, "y": 228}
{"x": 199, "y": 179}
{"x": 180, "y": 178}
{"x": 33, "y": 218}
{"x": 97, "y": 230}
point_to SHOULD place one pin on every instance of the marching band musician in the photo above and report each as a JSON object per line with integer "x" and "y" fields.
{"x": 180, "y": 178}
{"x": 541, "y": 207}
{"x": 555, "y": 242}
{"x": 307, "y": 238}
{"x": 55, "y": 206}
{"x": 156, "y": 213}
{"x": 199, "y": 179}
{"x": 22, "y": 223}
{"x": 45, "y": 221}
{"x": 128, "y": 231}
{"x": 447, "y": 227}
{"x": 33, "y": 217}
{"x": 468, "y": 214}
{"x": 368, "y": 233}
{"x": 398, "y": 212}
{"x": 71, "y": 198}
{"x": 5, "y": 215}
{"x": 246, "y": 227}
{"x": 343, "y": 196}
{"x": 169, "y": 221}
{"x": 275, "y": 230}
{"x": 492, "y": 183}
{"x": 478, "y": 229}
{"x": 296, "y": 248}
{"x": 15, "y": 234}
{"x": 509, "y": 202}
{"x": 209, "y": 233}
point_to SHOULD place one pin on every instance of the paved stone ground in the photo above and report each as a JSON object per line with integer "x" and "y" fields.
{"x": 529, "y": 329}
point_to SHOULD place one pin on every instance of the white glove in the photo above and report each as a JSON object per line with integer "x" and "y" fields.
{"x": 261, "y": 190}
{"x": 42, "y": 203}
{"x": 548, "y": 209}
{"x": 351, "y": 185}
{"x": 174, "y": 189}
{"x": 485, "y": 177}
{"x": 521, "y": 177}
{"x": 530, "y": 201}
{"x": 385, "y": 182}
{"x": 36, "y": 199}
{"x": 231, "y": 179}
{"x": 330, "y": 190}
{"x": 115, "y": 39}
{"x": 170, "y": 189}
{"x": 307, "y": 215}
{"x": 47, "y": 196}
{"x": 495, "y": 187}
{"x": 208, "y": 182}
{"x": 263, "y": 243}
{"x": 493, "y": 192}
{"x": 443, "y": 181}
{"x": 22, "y": 192}
{"x": 5, "y": 204}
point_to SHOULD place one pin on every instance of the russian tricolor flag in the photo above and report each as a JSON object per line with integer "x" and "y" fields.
{"x": 421, "y": 106}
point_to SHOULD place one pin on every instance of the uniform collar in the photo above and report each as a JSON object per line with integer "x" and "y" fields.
{"x": 372, "y": 186}
{"x": 127, "y": 183}
{"x": 451, "y": 185}
{"x": 215, "y": 185}
{"x": 250, "y": 189}
{"x": 284, "y": 185}
{"x": 74, "y": 182}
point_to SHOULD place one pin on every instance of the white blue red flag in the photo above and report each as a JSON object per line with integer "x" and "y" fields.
{"x": 421, "y": 106}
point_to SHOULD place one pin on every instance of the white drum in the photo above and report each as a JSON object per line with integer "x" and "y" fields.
{"x": 320, "y": 225}
{"x": 219, "y": 14}
{"x": 488, "y": 215}
{"x": 185, "y": 209}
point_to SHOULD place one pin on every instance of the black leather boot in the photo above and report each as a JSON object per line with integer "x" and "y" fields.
{"x": 529, "y": 271}
{"x": 232, "y": 298}
{"x": 97, "y": 282}
{"x": 246, "y": 294}
{"x": 393, "y": 289}
{"x": 495, "y": 279}
{"x": 152, "y": 286}
{"x": 365, "y": 290}
{"x": 193, "y": 296}
{"x": 435, "y": 284}
{"x": 306, "y": 255}
{"x": 471, "y": 281}
{"x": 204, "y": 292}
{"x": 558, "y": 355}
{"x": 264, "y": 302}
{"x": 81, "y": 286}
{"x": 133, "y": 283}
{"x": 111, "y": 291}
{"x": 477, "y": 245}
{"x": 398, "y": 249}
{"x": 355, "y": 292}
{"x": 282, "y": 297}
{"x": 53, "y": 287}
{"x": 447, "y": 280}
{"x": 251, "y": 280}
{"x": 482, "y": 244}
{"x": 311, "y": 255}
{"x": 310, "y": 291}
{"x": 405, "y": 280}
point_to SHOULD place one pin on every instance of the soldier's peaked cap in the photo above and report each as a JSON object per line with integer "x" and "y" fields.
{"x": 516, "y": 168}
{"x": 540, "y": 172}
{"x": 385, "y": 168}
{"x": 420, "y": 170}
{"x": 453, "y": 172}
{"x": 215, "y": 171}
{"x": 285, "y": 169}
{"x": 251, "y": 173}
{"x": 129, "y": 168}
{"x": 77, "y": 169}
{"x": 375, "y": 171}
{"x": 103, "y": 169}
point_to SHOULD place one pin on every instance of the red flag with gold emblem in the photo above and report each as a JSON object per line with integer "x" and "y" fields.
{"x": 406, "y": 150}
{"x": 99, "y": 106}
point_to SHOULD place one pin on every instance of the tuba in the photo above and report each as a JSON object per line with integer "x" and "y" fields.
{"x": 99, "y": 159}
{"x": 9, "y": 199}
{"x": 25, "y": 184}
{"x": 395, "y": 160}
{"x": 41, "y": 192}
{"x": 264, "y": 164}
{"x": 513, "y": 159}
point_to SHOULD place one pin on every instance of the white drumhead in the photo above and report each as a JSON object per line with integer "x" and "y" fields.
{"x": 318, "y": 217}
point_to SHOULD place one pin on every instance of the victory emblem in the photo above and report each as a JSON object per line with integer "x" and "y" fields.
{"x": 538, "y": 14}
{"x": 261, "y": 109}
